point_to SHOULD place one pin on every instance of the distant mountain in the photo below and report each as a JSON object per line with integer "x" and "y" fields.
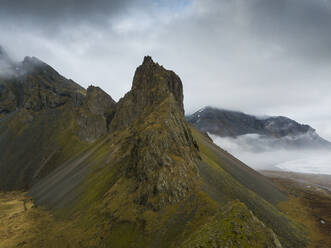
{"x": 131, "y": 173}
{"x": 281, "y": 130}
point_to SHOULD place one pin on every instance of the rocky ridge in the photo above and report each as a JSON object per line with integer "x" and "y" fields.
{"x": 42, "y": 112}
{"x": 132, "y": 173}
{"x": 163, "y": 151}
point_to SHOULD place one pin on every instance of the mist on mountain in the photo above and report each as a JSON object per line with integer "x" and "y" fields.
{"x": 6, "y": 64}
{"x": 10, "y": 68}
{"x": 266, "y": 153}
{"x": 266, "y": 142}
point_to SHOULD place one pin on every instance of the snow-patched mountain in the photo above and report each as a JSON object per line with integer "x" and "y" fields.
{"x": 277, "y": 131}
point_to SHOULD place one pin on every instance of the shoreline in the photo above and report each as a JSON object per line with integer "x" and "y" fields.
{"x": 322, "y": 181}
{"x": 309, "y": 203}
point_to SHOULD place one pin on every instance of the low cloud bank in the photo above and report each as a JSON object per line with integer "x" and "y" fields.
{"x": 262, "y": 154}
{"x": 10, "y": 68}
{"x": 7, "y": 66}
{"x": 6, "y": 70}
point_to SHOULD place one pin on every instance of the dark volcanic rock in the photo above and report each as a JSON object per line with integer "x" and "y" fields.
{"x": 162, "y": 150}
{"x": 95, "y": 115}
{"x": 98, "y": 101}
{"x": 36, "y": 86}
{"x": 44, "y": 87}
{"x": 8, "y": 100}
{"x": 41, "y": 115}
{"x": 91, "y": 127}
{"x": 152, "y": 84}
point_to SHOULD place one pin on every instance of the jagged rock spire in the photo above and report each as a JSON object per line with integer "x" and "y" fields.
{"x": 148, "y": 60}
{"x": 162, "y": 152}
{"x": 155, "y": 82}
{"x": 152, "y": 84}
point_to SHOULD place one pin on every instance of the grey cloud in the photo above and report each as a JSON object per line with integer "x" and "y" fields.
{"x": 49, "y": 10}
{"x": 300, "y": 26}
{"x": 6, "y": 64}
{"x": 263, "y": 57}
{"x": 59, "y": 20}
{"x": 258, "y": 56}
{"x": 262, "y": 154}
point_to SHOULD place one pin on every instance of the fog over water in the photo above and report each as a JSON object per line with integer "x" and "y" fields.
{"x": 261, "y": 154}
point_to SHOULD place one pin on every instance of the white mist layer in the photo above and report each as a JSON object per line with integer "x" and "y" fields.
{"x": 261, "y": 154}
{"x": 5, "y": 69}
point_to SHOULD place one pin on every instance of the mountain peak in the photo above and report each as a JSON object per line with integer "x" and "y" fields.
{"x": 152, "y": 85}
{"x": 98, "y": 101}
{"x": 155, "y": 83}
{"x": 148, "y": 60}
{"x": 162, "y": 150}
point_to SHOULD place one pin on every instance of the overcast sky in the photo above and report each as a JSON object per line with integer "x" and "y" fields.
{"x": 259, "y": 56}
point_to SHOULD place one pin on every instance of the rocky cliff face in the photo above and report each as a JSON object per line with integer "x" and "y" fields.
{"x": 132, "y": 173}
{"x": 152, "y": 84}
{"x": 98, "y": 101}
{"x": 36, "y": 86}
{"x": 162, "y": 150}
{"x": 95, "y": 114}
{"x": 41, "y": 115}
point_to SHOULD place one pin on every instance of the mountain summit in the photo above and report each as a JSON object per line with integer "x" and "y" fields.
{"x": 162, "y": 149}
{"x": 132, "y": 173}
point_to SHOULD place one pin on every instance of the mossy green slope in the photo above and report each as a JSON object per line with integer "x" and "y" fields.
{"x": 233, "y": 226}
{"x": 153, "y": 181}
{"x": 226, "y": 178}
{"x": 143, "y": 178}
{"x": 132, "y": 173}
{"x": 45, "y": 120}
